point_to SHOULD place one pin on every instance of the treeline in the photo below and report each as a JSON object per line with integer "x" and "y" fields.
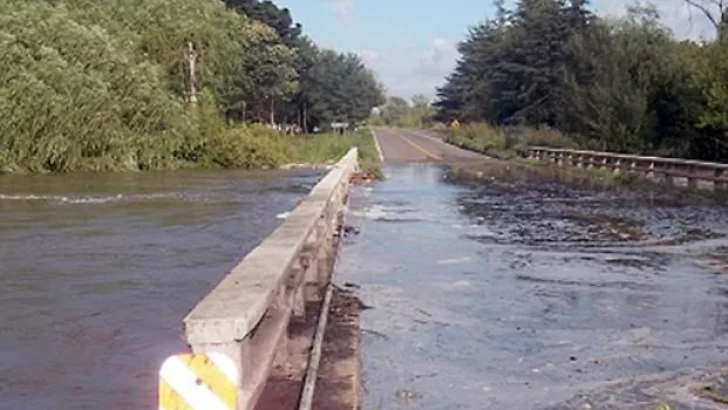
{"x": 416, "y": 113}
{"x": 620, "y": 85}
{"x": 102, "y": 85}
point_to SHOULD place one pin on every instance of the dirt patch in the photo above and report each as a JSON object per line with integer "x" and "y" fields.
{"x": 338, "y": 383}
{"x": 362, "y": 178}
{"x": 283, "y": 389}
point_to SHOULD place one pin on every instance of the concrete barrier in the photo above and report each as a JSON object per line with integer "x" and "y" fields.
{"x": 695, "y": 174}
{"x": 247, "y": 315}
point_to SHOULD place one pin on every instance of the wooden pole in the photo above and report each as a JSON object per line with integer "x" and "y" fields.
{"x": 191, "y": 57}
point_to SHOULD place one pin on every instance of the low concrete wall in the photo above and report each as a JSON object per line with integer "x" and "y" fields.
{"x": 695, "y": 174}
{"x": 246, "y": 316}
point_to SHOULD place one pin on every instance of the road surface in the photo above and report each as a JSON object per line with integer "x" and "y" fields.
{"x": 398, "y": 145}
{"x": 527, "y": 294}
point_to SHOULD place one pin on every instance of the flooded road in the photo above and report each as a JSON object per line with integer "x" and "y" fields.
{"x": 97, "y": 271}
{"x": 521, "y": 295}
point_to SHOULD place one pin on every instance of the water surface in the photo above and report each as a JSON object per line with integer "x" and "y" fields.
{"x": 97, "y": 271}
{"x": 519, "y": 295}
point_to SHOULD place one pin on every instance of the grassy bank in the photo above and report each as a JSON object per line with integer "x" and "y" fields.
{"x": 327, "y": 148}
{"x": 519, "y": 170}
{"x": 210, "y": 143}
{"x": 500, "y": 142}
{"x": 507, "y": 144}
{"x": 522, "y": 169}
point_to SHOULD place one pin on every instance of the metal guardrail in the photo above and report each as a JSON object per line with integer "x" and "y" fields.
{"x": 245, "y": 318}
{"x": 668, "y": 170}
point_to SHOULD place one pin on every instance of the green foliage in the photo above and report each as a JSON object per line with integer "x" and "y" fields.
{"x": 74, "y": 97}
{"x": 88, "y": 85}
{"x": 329, "y": 147}
{"x": 502, "y": 142}
{"x": 621, "y": 85}
{"x": 249, "y": 147}
{"x": 399, "y": 112}
{"x": 331, "y": 86}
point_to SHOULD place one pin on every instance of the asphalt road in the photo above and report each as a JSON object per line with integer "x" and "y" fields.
{"x": 399, "y": 145}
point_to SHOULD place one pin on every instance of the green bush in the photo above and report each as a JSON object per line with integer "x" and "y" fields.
{"x": 248, "y": 147}
{"x": 502, "y": 143}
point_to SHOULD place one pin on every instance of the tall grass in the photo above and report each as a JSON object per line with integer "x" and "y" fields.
{"x": 327, "y": 148}
{"x": 504, "y": 143}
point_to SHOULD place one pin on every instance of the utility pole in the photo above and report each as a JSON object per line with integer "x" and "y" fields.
{"x": 190, "y": 57}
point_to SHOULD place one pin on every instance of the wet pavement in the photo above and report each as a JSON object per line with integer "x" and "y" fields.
{"x": 402, "y": 145}
{"x": 521, "y": 295}
{"x": 97, "y": 272}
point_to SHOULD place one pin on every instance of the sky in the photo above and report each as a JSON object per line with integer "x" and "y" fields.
{"x": 410, "y": 44}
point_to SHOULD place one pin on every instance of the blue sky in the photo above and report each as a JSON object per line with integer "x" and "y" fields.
{"x": 410, "y": 44}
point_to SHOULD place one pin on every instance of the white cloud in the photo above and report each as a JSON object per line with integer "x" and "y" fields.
{"x": 413, "y": 71}
{"x": 685, "y": 22}
{"x": 420, "y": 71}
{"x": 344, "y": 9}
{"x": 371, "y": 58}
{"x": 439, "y": 58}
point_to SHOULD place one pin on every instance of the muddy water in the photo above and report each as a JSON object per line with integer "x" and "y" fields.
{"x": 97, "y": 271}
{"x": 522, "y": 295}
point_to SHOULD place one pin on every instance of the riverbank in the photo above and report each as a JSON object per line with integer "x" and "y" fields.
{"x": 244, "y": 147}
{"x": 505, "y": 150}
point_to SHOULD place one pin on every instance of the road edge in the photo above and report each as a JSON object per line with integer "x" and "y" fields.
{"x": 376, "y": 144}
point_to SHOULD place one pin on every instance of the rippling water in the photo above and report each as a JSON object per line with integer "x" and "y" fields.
{"x": 97, "y": 271}
{"x": 502, "y": 296}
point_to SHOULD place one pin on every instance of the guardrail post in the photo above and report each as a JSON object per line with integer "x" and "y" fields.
{"x": 309, "y": 262}
{"x": 692, "y": 181}
{"x": 296, "y": 281}
{"x": 719, "y": 174}
{"x": 667, "y": 175}
{"x": 668, "y": 170}
{"x": 617, "y": 166}
{"x": 651, "y": 170}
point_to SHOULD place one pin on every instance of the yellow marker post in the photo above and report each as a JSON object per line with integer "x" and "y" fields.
{"x": 455, "y": 125}
{"x": 198, "y": 381}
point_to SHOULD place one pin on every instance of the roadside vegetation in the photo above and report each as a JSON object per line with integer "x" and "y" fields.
{"x": 505, "y": 142}
{"x": 416, "y": 113}
{"x": 327, "y": 148}
{"x": 550, "y": 72}
{"x": 87, "y": 85}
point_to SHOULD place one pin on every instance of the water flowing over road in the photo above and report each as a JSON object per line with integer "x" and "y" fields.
{"x": 97, "y": 271}
{"x": 522, "y": 294}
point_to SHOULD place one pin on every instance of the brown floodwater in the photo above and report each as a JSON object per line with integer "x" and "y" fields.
{"x": 522, "y": 294}
{"x": 97, "y": 272}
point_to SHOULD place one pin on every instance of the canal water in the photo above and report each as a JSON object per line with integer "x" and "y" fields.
{"x": 97, "y": 272}
{"x": 519, "y": 295}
